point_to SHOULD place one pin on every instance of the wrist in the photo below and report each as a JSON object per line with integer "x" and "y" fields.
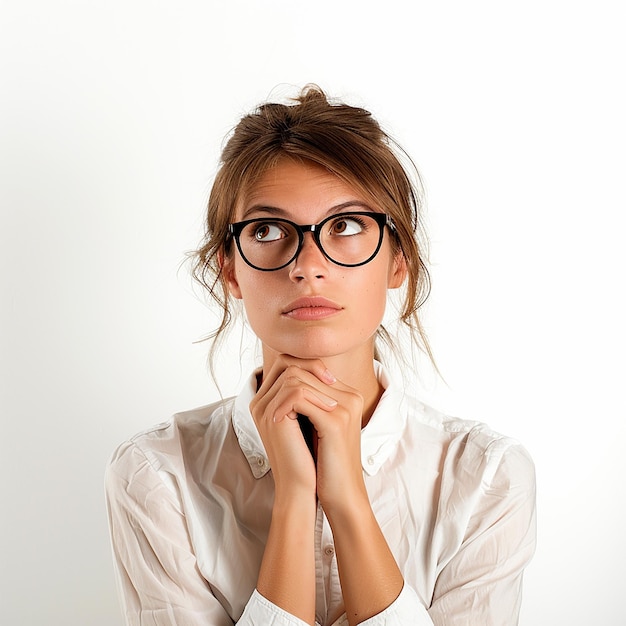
{"x": 292, "y": 504}
{"x": 349, "y": 515}
{"x": 349, "y": 506}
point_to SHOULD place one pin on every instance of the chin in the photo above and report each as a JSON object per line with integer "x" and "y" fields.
{"x": 316, "y": 346}
{"x": 308, "y": 352}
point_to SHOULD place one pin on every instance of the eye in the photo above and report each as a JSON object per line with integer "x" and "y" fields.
{"x": 268, "y": 231}
{"x": 347, "y": 225}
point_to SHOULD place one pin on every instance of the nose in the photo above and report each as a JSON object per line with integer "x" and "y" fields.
{"x": 310, "y": 263}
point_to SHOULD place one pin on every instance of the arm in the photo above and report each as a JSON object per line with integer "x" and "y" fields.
{"x": 481, "y": 583}
{"x": 370, "y": 578}
{"x": 158, "y": 578}
{"x": 159, "y": 581}
{"x": 287, "y": 575}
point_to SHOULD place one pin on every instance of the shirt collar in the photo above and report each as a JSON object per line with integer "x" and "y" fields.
{"x": 246, "y": 431}
{"x": 383, "y": 431}
{"x": 378, "y": 438}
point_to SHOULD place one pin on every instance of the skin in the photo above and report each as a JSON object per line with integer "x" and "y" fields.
{"x": 320, "y": 366}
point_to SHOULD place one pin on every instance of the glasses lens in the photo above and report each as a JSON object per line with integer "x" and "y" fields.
{"x": 350, "y": 239}
{"x": 268, "y": 244}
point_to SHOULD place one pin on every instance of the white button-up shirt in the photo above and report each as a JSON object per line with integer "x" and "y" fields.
{"x": 190, "y": 504}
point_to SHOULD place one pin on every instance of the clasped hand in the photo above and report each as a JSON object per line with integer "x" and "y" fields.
{"x": 295, "y": 386}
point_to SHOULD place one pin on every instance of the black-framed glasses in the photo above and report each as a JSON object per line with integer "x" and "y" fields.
{"x": 346, "y": 239}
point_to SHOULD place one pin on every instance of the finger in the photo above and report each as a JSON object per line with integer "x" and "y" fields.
{"x": 284, "y": 361}
{"x": 282, "y": 371}
{"x": 298, "y": 398}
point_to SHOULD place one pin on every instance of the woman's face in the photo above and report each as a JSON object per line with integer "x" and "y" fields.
{"x": 312, "y": 308}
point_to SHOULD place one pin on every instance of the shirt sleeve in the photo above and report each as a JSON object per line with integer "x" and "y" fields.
{"x": 406, "y": 610}
{"x": 158, "y": 577}
{"x": 482, "y": 582}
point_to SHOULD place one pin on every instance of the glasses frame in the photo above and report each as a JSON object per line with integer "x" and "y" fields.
{"x": 382, "y": 219}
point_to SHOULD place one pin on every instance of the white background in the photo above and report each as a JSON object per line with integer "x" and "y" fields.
{"x": 112, "y": 117}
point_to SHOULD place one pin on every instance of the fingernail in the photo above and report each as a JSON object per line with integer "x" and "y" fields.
{"x": 328, "y": 376}
{"x": 329, "y": 401}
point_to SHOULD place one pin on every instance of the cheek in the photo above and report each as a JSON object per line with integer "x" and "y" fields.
{"x": 259, "y": 294}
{"x": 371, "y": 296}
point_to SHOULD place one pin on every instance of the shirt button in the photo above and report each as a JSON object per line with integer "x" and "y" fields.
{"x": 371, "y": 460}
{"x": 260, "y": 461}
{"x": 329, "y": 550}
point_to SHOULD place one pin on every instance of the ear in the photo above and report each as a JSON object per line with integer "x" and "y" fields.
{"x": 397, "y": 271}
{"x": 227, "y": 266}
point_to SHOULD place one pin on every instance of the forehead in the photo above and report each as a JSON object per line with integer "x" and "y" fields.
{"x": 298, "y": 188}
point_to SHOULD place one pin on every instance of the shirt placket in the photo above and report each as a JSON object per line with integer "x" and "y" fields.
{"x": 327, "y": 586}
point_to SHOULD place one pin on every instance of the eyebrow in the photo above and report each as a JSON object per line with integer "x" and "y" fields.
{"x": 272, "y": 210}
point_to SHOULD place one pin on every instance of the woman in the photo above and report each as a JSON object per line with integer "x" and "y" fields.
{"x": 372, "y": 509}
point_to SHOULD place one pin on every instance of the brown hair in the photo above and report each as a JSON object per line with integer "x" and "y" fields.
{"x": 350, "y": 144}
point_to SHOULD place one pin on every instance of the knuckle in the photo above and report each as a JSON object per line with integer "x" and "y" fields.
{"x": 297, "y": 392}
{"x": 356, "y": 399}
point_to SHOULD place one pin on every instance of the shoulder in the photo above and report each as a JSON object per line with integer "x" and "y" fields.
{"x": 501, "y": 461}
{"x": 471, "y": 447}
{"x": 162, "y": 448}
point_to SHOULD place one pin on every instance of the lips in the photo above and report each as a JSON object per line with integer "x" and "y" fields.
{"x": 311, "y": 308}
